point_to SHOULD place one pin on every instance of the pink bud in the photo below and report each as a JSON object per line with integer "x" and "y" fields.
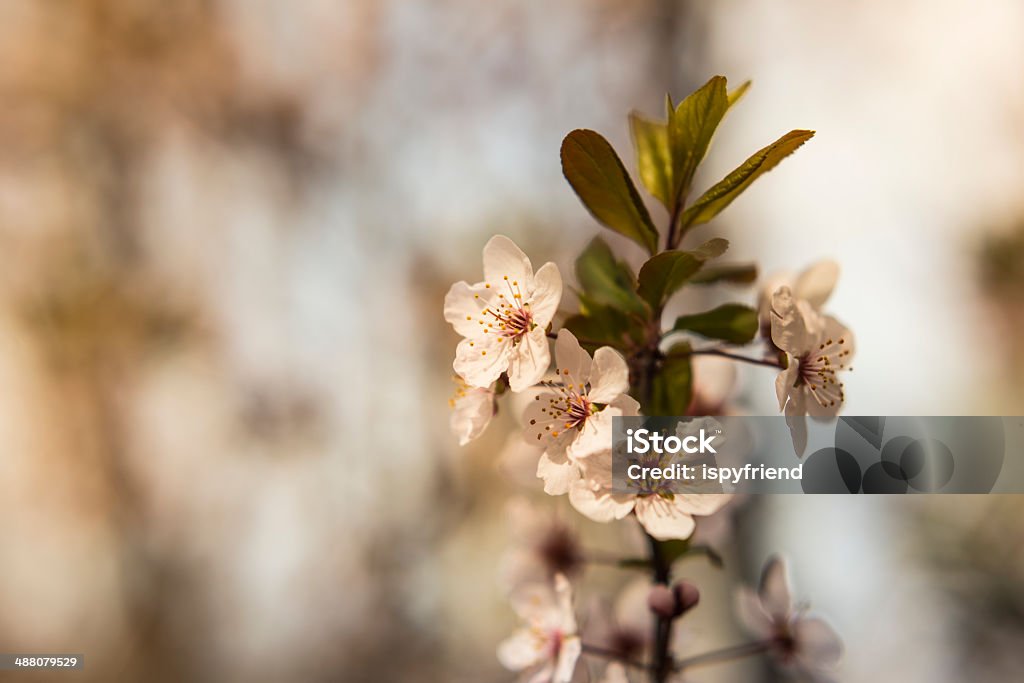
{"x": 662, "y": 601}
{"x": 686, "y": 595}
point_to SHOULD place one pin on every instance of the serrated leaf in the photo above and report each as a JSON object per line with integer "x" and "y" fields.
{"x": 665, "y": 273}
{"x": 600, "y": 180}
{"x": 734, "y": 323}
{"x": 738, "y": 93}
{"x": 690, "y": 128}
{"x": 672, "y": 388}
{"x": 607, "y": 281}
{"x": 653, "y": 157}
{"x": 735, "y": 273}
{"x": 711, "y": 203}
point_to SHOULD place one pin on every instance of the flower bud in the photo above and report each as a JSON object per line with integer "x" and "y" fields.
{"x": 673, "y": 602}
{"x": 662, "y": 601}
{"x": 687, "y": 596}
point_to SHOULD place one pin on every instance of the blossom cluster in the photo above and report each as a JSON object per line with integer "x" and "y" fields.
{"x": 614, "y": 359}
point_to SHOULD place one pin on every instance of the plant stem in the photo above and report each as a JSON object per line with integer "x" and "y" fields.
{"x": 661, "y": 665}
{"x": 724, "y": 655}
{"x": 743, "y": 359}
{"x": 598, "y": 651}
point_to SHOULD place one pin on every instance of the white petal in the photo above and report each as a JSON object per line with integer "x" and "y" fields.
{"x": 558, "y": 477}
{"x": 464, "y": 305}
{"x": 568, "y": 654}
{"x": 836, "y": 330}
{"x": 572, "y": 362}
{"x": 796, "y": 409}
{"x": 626, "y": 405}
{"x": 795, "y": 325}
{"x": 817, "y": 644}
{"x": 503, "y": 259}
{"x": 785, "y": 380}
{"x": 535, "y": 604}
{"x": 543, "y": 675}
{"x": 771, "y": 284}
{"x": 528, "y": 360}
{"x": 600, "y": 505}
{"x": 752, "y": 615}
{"x": 480, "y": 361}
{"x": 563, "y": 600}
{"x": 815, "y": 284}
{"x": 472, "y": 413}
{"x": 546, "y": 294}
{"x": 662, "y": 519}
{"x": 595, "y": 434}
{"x": 609, "y": 377}
{"x": 701, "y": 503}
{"x": 520, "y": 650}
{"x": 774, "y": 589}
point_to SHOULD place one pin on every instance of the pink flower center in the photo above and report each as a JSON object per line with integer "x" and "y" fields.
{"x": 818, "y": 369}
{"x": 507, "y": 315}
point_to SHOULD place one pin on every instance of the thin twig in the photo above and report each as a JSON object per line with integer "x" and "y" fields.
{"x": 599, "y": 651}
{"x": 724, "y": 655}
{"x": 743, "y": 359}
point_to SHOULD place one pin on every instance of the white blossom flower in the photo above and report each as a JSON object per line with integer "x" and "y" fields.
{"x": 472, "y": 410}
{"x": 813, "y": 285}
{"x": 543, "y": 546}
{"x": 573, "y": 418}
{"x": 807, "y": 644}
{"x": 665, "y": 509}
{"x": 547, "y": 646}
{"x": 504, "y": 319}
{"x": 624, "y": 627}
{"x": 818, "y": 347}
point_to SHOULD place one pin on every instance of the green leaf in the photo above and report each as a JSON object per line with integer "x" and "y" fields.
{"x": 653, "y": 157}
{"x": 602, "y": 326}
{"x": 600, "y": 180}
{"x": 672, "y": 388}
{"x": 738, "y": 93}
{"x": 690, "y": 128}
{"x": 665, "y": 273}
{"x": 735, "y": 273}
{"x": 734, "y": 323}
{"x": 607, "y": 281}
{"x": 711, "y": 203}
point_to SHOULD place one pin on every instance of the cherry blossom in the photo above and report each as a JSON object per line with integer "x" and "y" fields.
{"x": 573, "y": 417}
{"x": 813, "y": 285}
{"x": 472, "y": 410}
{"x": 807, "y": 644}
{"x": 504, "y": 319}
{"x": 545, "y": 649}
{"x": 543, "y": 546}
{"x": 818, "y": 347}
{"x": 665, "y": 509}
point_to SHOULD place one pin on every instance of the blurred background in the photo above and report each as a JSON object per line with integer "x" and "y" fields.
{"x": 227, "y": 228}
